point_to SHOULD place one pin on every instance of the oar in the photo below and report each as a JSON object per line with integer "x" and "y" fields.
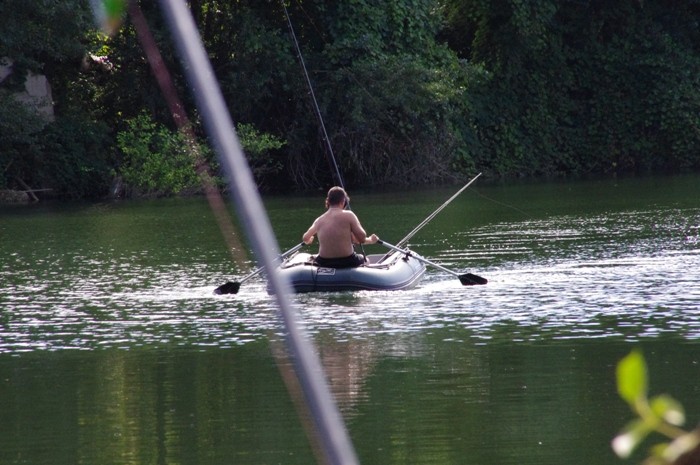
{"x": 467, "y": 279}
{"x": 233, "y": 287}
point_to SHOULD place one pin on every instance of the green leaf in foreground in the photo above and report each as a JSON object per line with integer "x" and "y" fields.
{"x": 632, "y": 377}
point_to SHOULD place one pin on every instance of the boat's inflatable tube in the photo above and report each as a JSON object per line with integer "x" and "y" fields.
{"x": 396, "y": 272}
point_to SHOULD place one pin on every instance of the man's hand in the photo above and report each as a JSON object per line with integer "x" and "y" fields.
{"x": 371, "y": 239}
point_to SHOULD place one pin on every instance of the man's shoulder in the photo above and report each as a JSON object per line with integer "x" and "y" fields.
{"x": 350, "y": 216}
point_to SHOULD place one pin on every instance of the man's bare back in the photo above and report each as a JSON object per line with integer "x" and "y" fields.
{"x": 337, "y": 229}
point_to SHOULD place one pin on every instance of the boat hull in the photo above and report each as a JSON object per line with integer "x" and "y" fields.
{"x": 396, "y": 272}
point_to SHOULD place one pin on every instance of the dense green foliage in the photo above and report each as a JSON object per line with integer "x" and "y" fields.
{"x": 156, "y": 160}
{"x": 411, "y": 91}
{"x": 70, "y": 154}
{"x": 583, "y": 87}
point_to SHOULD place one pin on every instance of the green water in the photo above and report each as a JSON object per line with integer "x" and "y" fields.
{"x": 114, "y": 350}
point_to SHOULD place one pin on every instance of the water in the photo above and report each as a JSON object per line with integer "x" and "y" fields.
{"x": 114, "y": 350}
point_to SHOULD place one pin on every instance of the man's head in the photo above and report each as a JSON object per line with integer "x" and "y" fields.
{"x": 337, "y": 197}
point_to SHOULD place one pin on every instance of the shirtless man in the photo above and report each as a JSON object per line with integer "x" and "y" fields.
{"x": 337, "y": 230}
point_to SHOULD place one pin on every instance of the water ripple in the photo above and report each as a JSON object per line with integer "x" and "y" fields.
{"x": 628, "y": 275}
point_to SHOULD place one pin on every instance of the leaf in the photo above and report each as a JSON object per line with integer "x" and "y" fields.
{"x": 668, "y": 408}
{"x": 632, "y": 377}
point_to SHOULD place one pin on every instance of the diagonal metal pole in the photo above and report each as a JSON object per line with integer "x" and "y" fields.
{"x": 433, "y": 214}
{"x": 333, "y": 435}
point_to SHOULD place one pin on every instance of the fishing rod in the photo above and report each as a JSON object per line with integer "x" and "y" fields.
{"x": 403, "y": 241}
{"x": 317, "y": 109}
{"x": 330, "y": 429}
{"x": 330, "y": 155}
{"x": 432, "y": 215}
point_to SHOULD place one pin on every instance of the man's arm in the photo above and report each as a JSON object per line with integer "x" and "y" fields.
{"x": 308, "y": 236}
{"x": 358, "y": 232}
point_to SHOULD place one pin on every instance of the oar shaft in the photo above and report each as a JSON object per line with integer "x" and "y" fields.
{"x": 258, "y": 270}
{"x": 432, "y": 215}
{"x": 467, "y": 279}
{"x": 418, "y": 257}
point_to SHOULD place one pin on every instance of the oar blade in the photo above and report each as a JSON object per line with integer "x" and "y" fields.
{"x": 469, "y": 279}
{"x": 228, "y": 288}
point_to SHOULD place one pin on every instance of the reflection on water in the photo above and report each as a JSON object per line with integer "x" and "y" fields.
{"x": 122, "y": 318}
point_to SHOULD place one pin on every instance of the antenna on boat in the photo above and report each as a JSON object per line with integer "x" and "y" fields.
{"x": 329, "y": 153}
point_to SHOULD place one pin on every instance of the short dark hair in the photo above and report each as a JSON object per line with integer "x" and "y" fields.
{"x": 337, "y": 196}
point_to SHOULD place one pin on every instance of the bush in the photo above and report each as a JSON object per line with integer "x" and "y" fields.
{"x": 156, "y": 161}
{"x": 261, "y": 151}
